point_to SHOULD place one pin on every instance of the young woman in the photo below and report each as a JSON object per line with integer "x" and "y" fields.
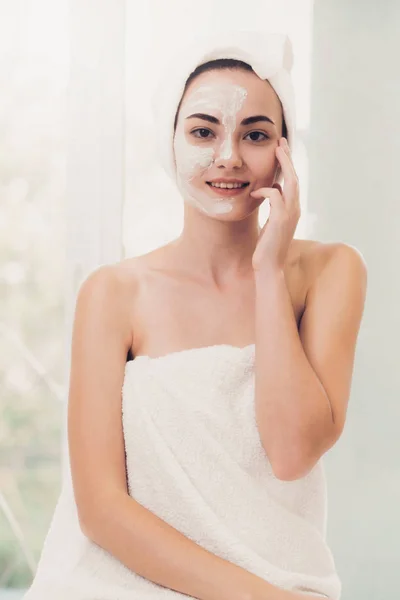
{"x": 204, "y": 478}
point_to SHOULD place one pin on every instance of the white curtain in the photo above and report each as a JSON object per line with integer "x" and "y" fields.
{"x": 95, "y": 187}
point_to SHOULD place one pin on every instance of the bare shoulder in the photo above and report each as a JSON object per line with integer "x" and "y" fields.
{"x": 108, "y": 292}
{"x": 314, "y": 256}
{"x": 135, "y": 266}
{"x": 131, "y": 275}
{"x": 113, "y": 278}
{"x": 127, "y": 270}
{"x": 104, "y": 297}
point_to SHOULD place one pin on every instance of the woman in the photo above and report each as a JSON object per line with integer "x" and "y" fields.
{"x": 204, "y": 478}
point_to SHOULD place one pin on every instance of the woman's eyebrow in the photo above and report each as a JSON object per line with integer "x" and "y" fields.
{"x": 247, "y": 121}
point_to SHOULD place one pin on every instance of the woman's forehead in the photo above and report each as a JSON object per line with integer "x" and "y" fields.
{"x": 217, "y": 87}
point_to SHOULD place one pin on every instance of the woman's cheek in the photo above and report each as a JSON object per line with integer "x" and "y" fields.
{"x": 191, "y": 160}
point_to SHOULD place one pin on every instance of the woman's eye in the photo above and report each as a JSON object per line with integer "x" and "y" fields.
{"x": 201, "y": 136}
{"x": 257, "y": 133}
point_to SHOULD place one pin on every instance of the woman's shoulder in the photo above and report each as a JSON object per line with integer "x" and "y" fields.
{"x": 314, "y": 255}
{"x": 135, "y": 266}
{"x": 308, "y": 250}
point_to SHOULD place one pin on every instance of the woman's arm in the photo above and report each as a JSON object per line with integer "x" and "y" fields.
{"x": 157, "y": 551}
{"x": 303, "y": 377}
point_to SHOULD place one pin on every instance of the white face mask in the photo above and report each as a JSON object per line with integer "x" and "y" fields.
{"x": 223, "y": 100}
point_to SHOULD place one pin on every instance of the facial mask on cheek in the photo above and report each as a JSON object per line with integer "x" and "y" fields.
{"x": 194, "y": 160}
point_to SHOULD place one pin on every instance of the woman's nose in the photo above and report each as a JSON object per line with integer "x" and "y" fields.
{"x": 228, "y": 154}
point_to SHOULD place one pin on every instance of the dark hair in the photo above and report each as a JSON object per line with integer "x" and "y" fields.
{"x": 221, "y": 63}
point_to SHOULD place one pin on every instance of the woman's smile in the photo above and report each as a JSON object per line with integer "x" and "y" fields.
{"x": 228, "y": 191}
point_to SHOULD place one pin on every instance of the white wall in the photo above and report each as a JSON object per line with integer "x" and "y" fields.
{"x": 354, "y": 150}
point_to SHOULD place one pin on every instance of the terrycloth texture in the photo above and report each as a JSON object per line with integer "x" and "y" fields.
{"x": 194, "y": 458}
{"x": 270, "y": 55}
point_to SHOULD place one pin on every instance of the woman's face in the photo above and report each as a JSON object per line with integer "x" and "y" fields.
{"x": 206, "y": 151}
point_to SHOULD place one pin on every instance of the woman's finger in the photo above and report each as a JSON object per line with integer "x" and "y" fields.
{"x": 278, "y": 187}
{"x": 289, "y": 173}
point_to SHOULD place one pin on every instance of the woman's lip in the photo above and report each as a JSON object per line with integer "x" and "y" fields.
{"x": 228, "y": 191}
